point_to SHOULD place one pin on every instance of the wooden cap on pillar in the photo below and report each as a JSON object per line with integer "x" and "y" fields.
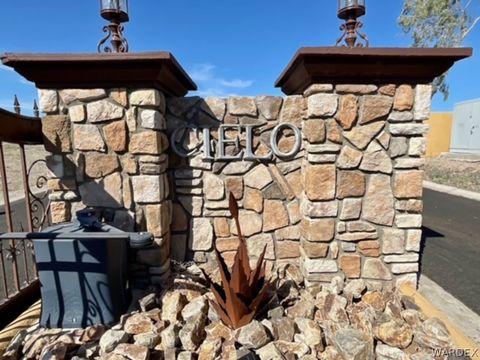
{"x": 341, "y": 65}
{"x": 158, "y": 70}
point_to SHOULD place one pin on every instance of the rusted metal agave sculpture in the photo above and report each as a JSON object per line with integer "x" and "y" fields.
{"x": 244, "y": 291}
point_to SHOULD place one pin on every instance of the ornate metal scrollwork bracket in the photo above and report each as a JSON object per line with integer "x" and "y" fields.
{"x": 114, "y": 33}
{"x": 38, "y": 197}
{"x": 351, "y": 31}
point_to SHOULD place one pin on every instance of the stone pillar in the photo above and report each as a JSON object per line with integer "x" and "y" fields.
{"x": 105, "y": 131}
{"x": 362, "y": 178}
{"x": 362, "y": 172}
{"x": 108, "y": 151}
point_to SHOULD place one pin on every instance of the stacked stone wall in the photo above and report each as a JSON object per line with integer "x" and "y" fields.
{"x": 109, "y": 151}
{"x": 346, "y": 205}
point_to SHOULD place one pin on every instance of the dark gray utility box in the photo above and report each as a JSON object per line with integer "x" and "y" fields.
{"x": 82, "y": 267}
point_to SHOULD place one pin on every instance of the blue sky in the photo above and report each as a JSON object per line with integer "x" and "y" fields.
{"x": 227, "y": 46}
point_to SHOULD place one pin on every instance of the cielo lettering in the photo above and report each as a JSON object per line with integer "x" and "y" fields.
{"x": 217, "y": 149}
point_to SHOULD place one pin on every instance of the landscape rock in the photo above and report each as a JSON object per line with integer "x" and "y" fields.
{"x": 148, "y": 340}
{"x": 352, "y": 344}
{"x": 283, "y": 329}
{"x": 433, "y": 334}
{"x": 111, "y": 339}
{"x": 394, "y": 332}
{"x": 385, "y": 352}
{"x": 138, "y": 324}
{"x": 193, "y": 333}
{"x": 195, "y": 308}
{"x": 169, "y": 337}
{"x": 310, "y": 330}
{"x": 132, "y": 352}
{"x": 172, "y": 306}
{"x": 355, "y": 288}
{"x": 302, "y": 309}
{"x": 210, "y": 349}
{"x": 253, "y": 335}
{"x": 269, "y": 352}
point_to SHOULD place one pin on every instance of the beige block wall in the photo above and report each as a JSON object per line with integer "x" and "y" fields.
{"x": 440, "y": 134}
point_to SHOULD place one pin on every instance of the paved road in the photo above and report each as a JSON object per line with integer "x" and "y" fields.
{"x": 451, "y": 247}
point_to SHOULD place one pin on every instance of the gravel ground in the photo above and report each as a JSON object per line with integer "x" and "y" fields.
{"x": 461, "y": 174}
{"x": 14, "y": 169}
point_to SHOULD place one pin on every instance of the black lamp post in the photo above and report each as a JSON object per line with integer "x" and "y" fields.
{"x": 115, "y": 11}
{"x": 350, "y": 10}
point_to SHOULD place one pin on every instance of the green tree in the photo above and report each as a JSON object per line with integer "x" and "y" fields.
{"x": 438, "y": 23}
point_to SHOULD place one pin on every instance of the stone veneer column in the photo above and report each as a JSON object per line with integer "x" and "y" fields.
{"x": 108, "y": 151}
{"x": 362, "y": 179}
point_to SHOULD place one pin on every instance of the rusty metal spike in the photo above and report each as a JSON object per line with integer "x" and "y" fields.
{"x": 239, "y": 280}
{"x": 244, "y": 290}
{"x": 256, "y": 275}
{"x": 36, "y": 113}
{"x": 223, "y": 315}
{"x": 225, "y": 275}
{"x": 219, "y": 295}
{"x": 16, "y": 105}
{"x": 233, "y": 205}
{"x": 245, "y": 320}
{"x": 262, "y": 295}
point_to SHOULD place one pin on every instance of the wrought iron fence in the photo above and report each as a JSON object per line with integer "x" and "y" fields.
{"x": 29, "y": 212}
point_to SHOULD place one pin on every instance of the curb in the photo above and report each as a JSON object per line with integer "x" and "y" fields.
{"x": 472, "y": 195}
{"x": 459, "y": 338}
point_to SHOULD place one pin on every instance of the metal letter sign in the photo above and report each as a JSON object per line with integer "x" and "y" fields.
{"x": 217, "y": 149}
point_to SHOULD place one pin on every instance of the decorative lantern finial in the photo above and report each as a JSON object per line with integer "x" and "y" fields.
{"x": 115, "y": 11}
{"x": 350, "y": 10}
